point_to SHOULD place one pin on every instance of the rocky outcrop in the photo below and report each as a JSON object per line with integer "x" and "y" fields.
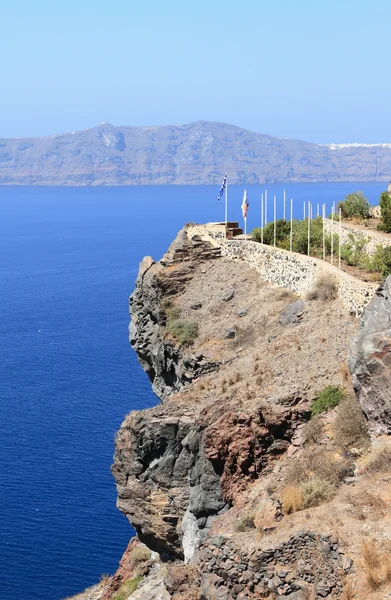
{"x": 370, "y": 359}
{"x": 168, "y": 366}
{"x": 176, "y": 471}
{"x": 166, "y": 486}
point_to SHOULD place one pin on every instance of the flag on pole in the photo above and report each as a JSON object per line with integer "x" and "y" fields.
{"x": 244, "y": 206}
{"x": 221, "y": 192}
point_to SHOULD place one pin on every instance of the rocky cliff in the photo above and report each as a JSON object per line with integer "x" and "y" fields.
{"x": 370, "y": 359}
{"x": 235, "y": 491}
{"x": 198, "y": 153}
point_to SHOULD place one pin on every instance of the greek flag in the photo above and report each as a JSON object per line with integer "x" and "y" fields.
{"x": 221, "y": 192}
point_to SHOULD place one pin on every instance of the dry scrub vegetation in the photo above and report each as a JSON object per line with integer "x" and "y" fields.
{"x": 325, "y": 289}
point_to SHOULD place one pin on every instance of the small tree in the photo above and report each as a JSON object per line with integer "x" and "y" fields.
{"x": 385, "y": 205}
{"x": 355, "y": 205}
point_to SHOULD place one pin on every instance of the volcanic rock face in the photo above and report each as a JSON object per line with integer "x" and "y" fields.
{"x": 370, "y": 359}
{"x": 167, "y": 365}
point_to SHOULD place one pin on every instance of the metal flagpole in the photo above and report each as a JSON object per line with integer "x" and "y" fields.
{"x": 284, "y": 204}
{"x": 332, "y": 234}
{"x": 290, "y": 245}
{"x": 340, "y": 238}
{"x": 265, "y": 207}
{"x": 324, "y": 230}
{"x": 318, "y": 213}
{"x": 262, "y": 218}
{"x": 245, "y": 228}
{"x": 309, "y": 226}
{"x": 275, "y": 201}
{"x": 304, "y": 210}
{"x": 226, "y": 205}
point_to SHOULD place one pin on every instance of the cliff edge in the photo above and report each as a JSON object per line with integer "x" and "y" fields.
{"x": 257, "y": 475}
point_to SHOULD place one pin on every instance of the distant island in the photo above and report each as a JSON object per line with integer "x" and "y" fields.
{"x": 198, "y": 153}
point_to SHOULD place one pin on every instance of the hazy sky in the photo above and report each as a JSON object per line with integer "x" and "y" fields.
{"x": 314, "y": 70}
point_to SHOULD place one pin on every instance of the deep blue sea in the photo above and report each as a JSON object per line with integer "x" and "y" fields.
{"x": 68, "y": 261}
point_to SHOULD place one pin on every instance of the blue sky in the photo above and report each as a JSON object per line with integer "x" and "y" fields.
{"x": 318, "y": 71}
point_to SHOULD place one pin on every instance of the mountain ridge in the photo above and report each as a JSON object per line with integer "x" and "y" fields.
{"x": 194, "y": 153}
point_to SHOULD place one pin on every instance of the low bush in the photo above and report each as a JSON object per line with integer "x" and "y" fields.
{"x": 316, "y": 491}
{"x": 316, "y": 463}
{"x": 245, "y": 523}
{"x": 353, "y": 252}
{"x": 350, "y": 426}
{"x": 184, "y": 331}
{"x": 330, "y": 397}
{"x": 173, "y": 313}
{"x": 167, "y": 303}
{"x": 380, "y": 462}
{"x": 313, "y": 430}
{"x": 139, "y": 555}
{"x": 325, "y": 289}
{"x": 292, "y": 499}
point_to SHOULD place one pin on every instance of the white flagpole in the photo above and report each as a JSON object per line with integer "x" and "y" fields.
{"x": 245, "y": 228}
{"x": 304, "y": 211}
{"x": 291, "y": 225}
{"x": 275, "y": 211}
{"x": 318, "y": 213}
{"x": 340, "y": 238}
{"x": 332, "y": 234}
{"x": 262, "y": 218}
{"x": 226, "y": 205}
{"x": 265, "y": 207}
{"x": 324, "y": 230}
{"x": 309, "y": 226}
{"x": 284, "y": 205}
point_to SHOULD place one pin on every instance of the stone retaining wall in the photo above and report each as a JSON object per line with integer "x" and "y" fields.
{"x": 373, "y": 238}
{"x": 296, "y": 272}
{"x": 308, "y": 564}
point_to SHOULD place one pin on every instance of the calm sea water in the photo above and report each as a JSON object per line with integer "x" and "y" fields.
{"x": 68, "y": 261}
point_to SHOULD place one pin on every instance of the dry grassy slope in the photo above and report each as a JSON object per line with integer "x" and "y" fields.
{"x": 277, "y": 363}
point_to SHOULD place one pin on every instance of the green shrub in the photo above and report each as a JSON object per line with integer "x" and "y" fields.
{"x": 353, "y": 251}
{"x": 184, "y": 331}
{"x": 128, "y": 588}
{"x": 299, "y": 236}
{"x": 330, "y": 397}
{"x": 355, "y": 205}
{"x": 380, "y": 262}
{"x": 385, "y": 205}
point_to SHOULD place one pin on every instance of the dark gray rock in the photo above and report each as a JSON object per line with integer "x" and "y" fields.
{"x": 370, "y": 359}
{"x": 228, "y": 296}
{"x": 196, "y": 306}
{"x": 293, "y": 313}
{"x": 242, "y": 312}
{"x": 230, "y": 334}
